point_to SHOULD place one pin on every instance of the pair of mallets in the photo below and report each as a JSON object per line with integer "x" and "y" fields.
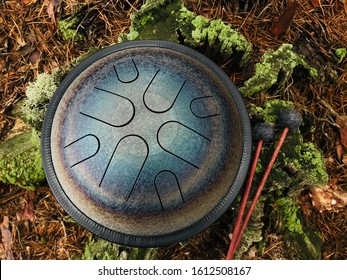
{"x": 262, "y": 132}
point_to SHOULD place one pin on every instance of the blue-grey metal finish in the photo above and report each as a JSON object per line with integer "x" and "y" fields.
{"x": 146, "y": 143}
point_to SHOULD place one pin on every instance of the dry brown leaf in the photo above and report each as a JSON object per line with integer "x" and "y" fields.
{"x": 339, "y": 151}
{"x": 50, "y": 11}
{"x": 305, "y": 203}
{"x": 29, "y": 2}
{"x": 281, "y": 24}
{"x": 24, "y": 51}
{"x": 52, "y": 7}
{"x": 316, "y": 3}
{"x": 328, "y": 197}
{"x": 344, "y": 159}
{"x": 34, "y": 57}
{"x": 27, "y": 213}
{"x": 20, "y": 41}
{"x": 6, "y": 239}
{"x": 341, "y": 121}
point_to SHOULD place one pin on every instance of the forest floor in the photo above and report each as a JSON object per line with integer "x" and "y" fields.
{"x": 30, "y": 43}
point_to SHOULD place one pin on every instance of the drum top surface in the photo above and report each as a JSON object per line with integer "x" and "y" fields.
{"x": 146, "y": 143}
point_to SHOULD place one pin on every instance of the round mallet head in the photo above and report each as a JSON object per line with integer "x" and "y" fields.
{"x": 290, "y": 118}
{"x": 263, "y": 131}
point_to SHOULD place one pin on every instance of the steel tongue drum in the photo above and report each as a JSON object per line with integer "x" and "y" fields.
{"x": 146, "y": 143}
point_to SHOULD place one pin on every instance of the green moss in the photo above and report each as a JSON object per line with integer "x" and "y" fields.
{"x": 271, "y": 110}
{"x": 306, "y": 161}
{"x": 302, "y": 241}
{"x": 306, "y": 246}
{"x": 184, "y": 19}
{"x": 288, "y": 214}
{"x": 222, "y": 39}
{"x": 170, "y": 20}
{"x": 20, "y": 161}
{"x": 340, "y": 54}
{"x": 68, "y": 29}
{"x": 254, "y": 231}
{"x": 283, "y": 60}
{"x": 299, "y": 165}
{"x": 156, "y": 20}
{"x": 38, "y": 95}
{"x": 20, "y": 158}
{"x": 100, "y": 249}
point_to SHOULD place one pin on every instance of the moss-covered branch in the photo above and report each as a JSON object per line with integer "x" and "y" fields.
{"x": 20, "y": 160}
{"x": 170, "y": 20}
{"x": 284, "y": 60}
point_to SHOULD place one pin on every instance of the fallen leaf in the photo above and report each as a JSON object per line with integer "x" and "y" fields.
{"x": 341, "y": 121}
{"x": 6, "y": 239}
{"x": 316, "y": 3}
{"x": 251, "y": 253}
{"x": 281, "y": 24}
{"x": 28, "y": 2}
{"x": 339, "y": 151}
{"x": 20, "y": 41}
{"x": 50, "y": 11}
{"x": 328, "y": 197}
{"x": 24, "y": 51}
{"x": 27, "y": 213}
{"x": 34, "y": 57}
{"x": 305, "y": 203}
{"x": 344, "y": 159}
{"x": 52, "y": 7}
